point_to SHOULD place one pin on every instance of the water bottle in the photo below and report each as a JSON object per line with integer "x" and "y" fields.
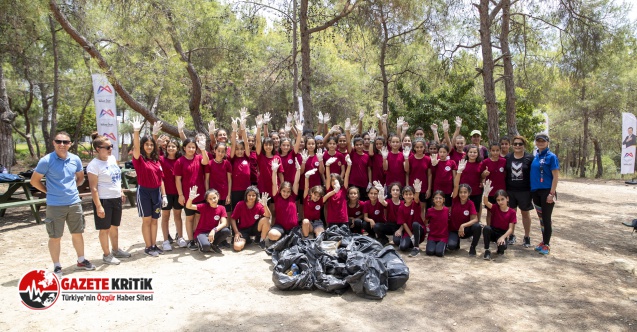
{"x": 294, "y": 269}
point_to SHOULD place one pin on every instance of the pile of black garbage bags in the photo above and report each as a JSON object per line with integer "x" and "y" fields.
{"x": 360, "y": 262}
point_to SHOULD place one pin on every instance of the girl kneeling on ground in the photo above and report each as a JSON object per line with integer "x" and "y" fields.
{"x": 284, "y": 204}
{"x": 437, "y": 217}
{"x": 212, "y": 228}
{"x": 502, "y": 223}
{"x": 312, "y": 206}
{"x": 251, "y": 218}
{"x": 411, "y": 231}
{"x": 463, "y": 219}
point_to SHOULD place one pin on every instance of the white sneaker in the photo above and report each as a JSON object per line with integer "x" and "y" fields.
{"x": 166, "y": 246}
{"x": 181, "y": 242}
{"x": 110, "y": 259}
{"x": 119, "y": 253}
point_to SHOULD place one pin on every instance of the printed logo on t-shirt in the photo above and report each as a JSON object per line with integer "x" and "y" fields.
{"x": 377, "y": 212}
{"x": 256, "y": 216}
{"x": 358, "y": 212}
{"x": 316, "y": 163}
{"x": 516, "y": 171}
{"x": 245, "y": 162}
{"x": 448, "y": 168}
{"x": 290, "y": 161}
{"x": 217, "y": 218}
{"x": 466, "y": 212}
{"x": 501, "y": 169}
{"x": 411, "y": 212}
{"x": 317, "y": 208}
{"x": 340, "y": 164}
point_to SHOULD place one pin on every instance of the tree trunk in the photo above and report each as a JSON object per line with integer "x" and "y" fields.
{"x": 7, "y": 157}
{"x": 487, "y": 71}
{"x": 509, "y": 82}
{"x": 584, "y": 156}
{"x": 295, "y": 66}
{"x": 598, "y": 158}
{"x": 382, "y": 64}
{"x": 80, "y": 122}
{"x": 56, "y": 79}
{"x": 46, "y": 116}
{"x": 305, "y": 66}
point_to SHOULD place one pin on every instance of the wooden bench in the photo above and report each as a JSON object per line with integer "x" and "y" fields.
{"x": 34, "y": 203}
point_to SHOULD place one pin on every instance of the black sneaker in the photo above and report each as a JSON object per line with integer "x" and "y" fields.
{"x": 215, "y": 248}
{"x": 500, "y": 251}
{"x": 58, "y": 271}
{"x": 170, "y": 239}
{"x": 512, "y": 240}
{"x": 414, "y": 252}
{"x": 192, "y": 245}
{"x": 472, "y": 251}
{"x": 268, "y": 251}
{"x": 159, "y": 251}
{"x": 487, "y": 254}
{"x": 225, "y": 244}
{"x": 150, "y": 251}
{"x": 262, "y": 244}
{"x": 527, "y": 242}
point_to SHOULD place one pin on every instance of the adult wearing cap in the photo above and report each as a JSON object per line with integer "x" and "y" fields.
{"x": 545, "y": 171}
{"x": 476, "y": 137}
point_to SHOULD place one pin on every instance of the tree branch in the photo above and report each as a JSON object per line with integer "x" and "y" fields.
{"x": 347, "y": 9}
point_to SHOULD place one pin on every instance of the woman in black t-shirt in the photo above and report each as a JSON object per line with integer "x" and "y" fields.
{"x": 518, "y": 184}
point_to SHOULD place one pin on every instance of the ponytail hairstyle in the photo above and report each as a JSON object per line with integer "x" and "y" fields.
{"x": 98, "y": 140}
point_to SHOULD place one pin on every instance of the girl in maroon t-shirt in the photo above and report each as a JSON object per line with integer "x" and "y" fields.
{"x": 411, "y": 231}
{"x": 494, "y": 169}
{"x": 418, "y": 166}
{"x": 463, "y": 218}
{"x": 336, "y": 165}
{"x": 285, "y": 214}
{"x": 444, "y": 171}
{"x": 265, "y": 159}
{"x": 502, "y": 223}
{"x": 336, "y": 199}
{"x": 374, "y": 211}
{"x": 472, "y": 176}
{"x": 251, "y": 217}
{"x": 168, "y": 161}
{"x": 312, "y": 207}
{"x": 360, "y": 175}
{"x": 212, "y": 228}
{"x": 383, "y": 230}
{"x": 393, "y": 162}
{"x": 241, "y": 168}
{"x": 355, "y": 213}
{"x": 219, "y": 174}
{"x": 437, "y": 219}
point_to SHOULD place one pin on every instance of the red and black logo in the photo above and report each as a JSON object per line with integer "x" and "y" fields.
{"x": 39, "y": 289}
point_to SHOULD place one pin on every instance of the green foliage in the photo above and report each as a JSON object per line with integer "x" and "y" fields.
{"x": 69, "y": 117}
{"x": 529, "y": 120}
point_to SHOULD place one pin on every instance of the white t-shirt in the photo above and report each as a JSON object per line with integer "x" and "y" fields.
{"x": 109, "y": 177}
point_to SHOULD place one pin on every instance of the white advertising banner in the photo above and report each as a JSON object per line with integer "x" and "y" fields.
{"x": 105, "y": 111}
{"x": 629, "y": 142}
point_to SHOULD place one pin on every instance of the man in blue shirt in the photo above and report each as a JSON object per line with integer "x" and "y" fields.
{"x": 63, "y": 171}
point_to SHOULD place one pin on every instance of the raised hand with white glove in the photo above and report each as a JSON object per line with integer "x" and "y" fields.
{"x": 406, "y": 151}
{"x": 267, "y": 117}
{"x": 337, "y": 185}
{"x": 319, "y": 155}
{"x": 311, "y": 172}
{"x": 348, "y": 160}
{"x": 434, "y": 159}
{"x": 275, "y": 165}
{"x": 372, "y": 135}
{"x": 384, "y": 152}
{"x": 265, "y": 197}
{"x": 330, "y": 161}
{"x": 137, "y": 123}
{"x": 212, "y": 128}
{"x": 462, "y": 165}
{"x": 193, "y": 193}
{"x": 417, "y": 185}
{"x": 445, "y": 126}
{"x": 304, "y": 156}
{"x": 156, "y": 127}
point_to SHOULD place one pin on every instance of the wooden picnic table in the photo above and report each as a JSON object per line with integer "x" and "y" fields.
{"x": 8, "y": 201}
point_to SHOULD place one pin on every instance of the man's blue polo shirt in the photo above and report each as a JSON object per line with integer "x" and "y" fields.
{"x": 61, "y": 186}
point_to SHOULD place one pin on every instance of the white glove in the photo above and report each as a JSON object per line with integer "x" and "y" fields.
{"x": 243, "y": 124}
{"x": 384, "y": 152}
{"x": 400, "y": 121}
{"x": 289, "y": 118}
{"x": 487, "y": 188}
{"x": 299, "y": 126}
{"x": 434, "y": 127}
{"x": 156, "y": 127}
{"x": 348, "y": 124}
{"x": 383, "y": 118}
{"x": 405, "y": 126}
{"x": 180, "y": 123}
{"x": 311, "y": 172}
{"x": 235, "y": 124}
{"x": 381, "y": 192}
{"x": 164, "y": 201}
{"x": 275, "y": 165}
{"x": 445, "y": 125}
{"x": 372, "y": 135}
{"x": 287, "y": 128}
{"x": 320, "y": 117}
{"x": 212, "y": 127}
{"x": 353, "y": 131}
{"x": 417, "y": 185}
{"x": 337, "y": 185}
{"x": 264, "y": 199}
{"x": 267, "y": 117}
{"x": 361, "y": 115}
{"x": 243, "y": 113}
{"x": 348, "y": 160}
{"x": 137, "y": 123}
{"x": 462, "y": 165}
{"x": 380, "y": 118}
{"x": 406, "y": 151}
{"x": 369, "y": 186}
{"x": 193, "y": 193}
{"x": 319, "y": 154}
{"x": 304, "y": 156}
{"x": 201, "y": 145}
{"x": 413, "y": 240}
{"x": 377, "y": 185}
{"x": 298, "y": 166}
{"x": 259, "y": 120}
{"x": 458, "y": 122}
{"x": 326, "y": 118}
{"x": 334, "y": 129}
{"x": 434, "y": 159}
{"x": 330, "y": 161}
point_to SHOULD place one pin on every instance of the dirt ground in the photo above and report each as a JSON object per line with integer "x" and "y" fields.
{"x": 581, "y": 285}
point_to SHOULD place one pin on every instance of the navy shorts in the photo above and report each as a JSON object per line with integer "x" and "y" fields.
{"x": 148, "y": 202}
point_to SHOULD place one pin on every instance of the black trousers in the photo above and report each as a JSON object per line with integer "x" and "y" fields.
{"x": 492, "y": 234}
{"x": 454, "y": 239}
{"x": 359, "y": 225}
{"x": 435, "y": 248}
{"x": 220, "y": 236}
{"x": 404, "y": 242}
{"x": 544, "y": 211}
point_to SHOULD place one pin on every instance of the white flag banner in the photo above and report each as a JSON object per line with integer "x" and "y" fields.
{"x": 629, "y": 143}
{"x": 105, "y": 111}
{"x": 301, "y": 109}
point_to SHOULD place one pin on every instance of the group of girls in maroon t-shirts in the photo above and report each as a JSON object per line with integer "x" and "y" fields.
{"x": 376, "y": 183}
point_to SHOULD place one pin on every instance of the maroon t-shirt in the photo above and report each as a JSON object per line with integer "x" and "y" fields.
{"x": 408, "y": 215}
{"x": 456, "y": 156}
{"x": 357, "y": 211}
{"x": 460, "y": 213}
{"x": 312, "y": 163}
{"x": 241, "y": 173}
{"x": 497, "y": 173}
{"x": 192, "y": 174}
{"x": 395, "y": 169}
{"x": 168, "y": 168}
{"x": 358, "y": 173}
{"x": 500, "y": 219}
{"x": 312, "y": 209}
{"x": 443, "y": 176}
{"x": 418, "y": 169}
{"x": 392, "y": 210}
{"x": 285, "y": 211}
{"x": 378, "y": 174}
{"x": 218, "y": 178}
{"x": 337, "y": 207}
{"x": 375, "y": 212}
{"x": 472, "y": 176}
{"x": 289, "y": 166}
{"x": 335, "y": 168}
{"x": 210, "y": 217}
{"x": 149, "y": 172}
{"x": 438, "y": 224}
{"x": 246, "y": 217}
{"x": 254, "y": 167}
{"x": 265, "y": 172}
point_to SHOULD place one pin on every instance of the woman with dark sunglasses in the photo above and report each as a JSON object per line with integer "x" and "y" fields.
{"x": 545, "y": 171}
{"x": 518, "y": 185}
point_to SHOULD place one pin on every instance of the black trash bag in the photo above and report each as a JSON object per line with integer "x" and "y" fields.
{"x": 397, "y": 270}
{"x": 332, "y": 266}
{"x": 303, "y": 281}
{"x": 337, "y": 233}
{"x": 368, "y": 276}
{"x": 289, "y": 240}
{"x": 364, "y": 244}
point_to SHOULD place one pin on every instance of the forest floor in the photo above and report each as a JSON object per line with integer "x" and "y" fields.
{"x": 588, "y": 281}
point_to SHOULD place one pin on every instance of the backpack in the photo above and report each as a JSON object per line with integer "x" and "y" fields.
{"x": 6, "y": 177}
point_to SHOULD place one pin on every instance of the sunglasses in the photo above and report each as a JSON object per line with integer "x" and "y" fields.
{"x": 518, "y": 144}
{"x": 60, "y": 141}
{"x": 107, "y": 147}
